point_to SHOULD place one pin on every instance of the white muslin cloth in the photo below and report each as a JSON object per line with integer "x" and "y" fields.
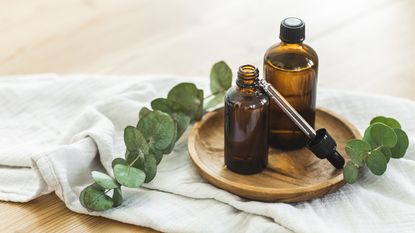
{"x": 55, "y": 130}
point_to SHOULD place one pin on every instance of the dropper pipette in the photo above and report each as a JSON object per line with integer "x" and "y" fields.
{"x": 320, "y": 142}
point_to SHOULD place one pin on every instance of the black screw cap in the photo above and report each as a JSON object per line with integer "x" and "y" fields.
{"x": 292, "y": 30}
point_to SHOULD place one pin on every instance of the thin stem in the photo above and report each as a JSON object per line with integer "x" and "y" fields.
{"x": 131, "y": 164}
{"x": 212, "y": 94}
{"x": 379, "y": 147}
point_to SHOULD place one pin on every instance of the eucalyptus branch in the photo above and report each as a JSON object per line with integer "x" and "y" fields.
{"x": 156, "y": 134}
{"x": 382, "y": 140}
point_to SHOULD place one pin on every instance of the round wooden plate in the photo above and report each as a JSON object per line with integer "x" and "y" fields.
{"x": 291, "y": 176}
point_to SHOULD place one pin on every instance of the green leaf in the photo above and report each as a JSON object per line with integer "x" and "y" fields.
{"x": 158, "y": 155}
{"x": 135, "y": 159}
{"x": 143, "y": 112}
{"x": 399, "y": 150}
{"x": 189, "y": 96}
{"x": 386, "y": 152}
{"x": 118, "y": 161}
{"x": 82, "y": 198}
{"x": 104, "y": 180}
{"x": 95, "y": 199}
{"x": 98, "y": 187}
{"x": 216, "y": 100}
{"x": 185, "y": 94}
{"x": 117, "y": 197}
{"x": 382, "y": 135}
{"x": 220, "y": 77}
{"x": 181, "y": 118}
{"x": 129, "y": 176}
{"x": 351, "y": 172}
{"x": 387, "y": 121}
{"x": 170, "y": 106}
{"x": 150, "y": 167}
{"x": 376, "y": 162}
{"x": 134, "y": 139}
{"x": 182, "y": 121}
{"x": 172, "y": 144}
{"x": 148, "y": 164}
{"x": 200, "y": 110}
{"x": 357, "y": 150}
{"x": 159, "y": 129}
{"x": 367, "y": 138}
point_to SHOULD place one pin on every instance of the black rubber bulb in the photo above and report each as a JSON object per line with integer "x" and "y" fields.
{"x": 324, "y": 147}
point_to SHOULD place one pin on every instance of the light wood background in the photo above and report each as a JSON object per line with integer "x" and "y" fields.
{"x": 363, "y": 46}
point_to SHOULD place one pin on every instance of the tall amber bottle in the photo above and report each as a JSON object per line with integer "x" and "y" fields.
{"x": 291, "y": 67}
{"x": 246, "y": 124}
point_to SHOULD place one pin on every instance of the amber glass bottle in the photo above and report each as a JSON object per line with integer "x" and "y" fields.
{"x": 291, "y": 67}
{"x": 246, "y": 124}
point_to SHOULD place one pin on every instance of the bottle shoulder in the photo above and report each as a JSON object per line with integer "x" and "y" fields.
{"x": 291, "y": 56}
{"x": 310, "y": 51}
{"x": 283, "y": 48}
{"x": 251, "y": 99}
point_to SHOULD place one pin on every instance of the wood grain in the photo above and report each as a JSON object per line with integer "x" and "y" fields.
{"x": 290, "y": 176}
{"x": 49, "y": 214}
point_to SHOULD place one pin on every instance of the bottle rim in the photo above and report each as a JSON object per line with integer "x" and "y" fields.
{"x": 248, "y": 72}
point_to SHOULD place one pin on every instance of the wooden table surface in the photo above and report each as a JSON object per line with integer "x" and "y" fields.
{"x": 363, "y": 46}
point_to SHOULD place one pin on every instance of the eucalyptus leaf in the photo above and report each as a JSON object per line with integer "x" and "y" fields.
{"x": 172, "y": 144}
{"x": 185, "y": 94}
{"x": 382, "y": 135}
{"x": 135, "y": 159}
{"x": 98, "y": 187}
{"x": 399, "y": 150}
{"x": 150, "y": 167}
{"x": 220, "y": 77}
{"x": 127, "y": 153}
{"x": 117, "y": 197}
{"x": 391, "y": 122}
{"x": 158, "y": 155}
{"x": 118, "y": 161}
{"x": 82, "y": 198}
{"x": 367, "y": 138}
{"x": 134, "y": 139}
{"x": 200, "y": 111}
{"x": 376, "y": 162}
{"x": 351, "y": 172}
{"x": 181, "y": 117}
{"x": 159, "y": 129}
{"x": 171, "y": 106}
{"x": 143, "y": 112}
{"x": 386, "y": 152}
{"x": 104, "y": 180}
{"x": 216, "y": 100}
{"x": 95, "y": 199}
{"x": 182, "y": 121}
{"x": 129, "y": 176}
{"x": 189, "y": 96}
{"x": 357, "y": 150}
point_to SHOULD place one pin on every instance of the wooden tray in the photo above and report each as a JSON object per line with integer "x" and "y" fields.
{"x": 291, "y": 176}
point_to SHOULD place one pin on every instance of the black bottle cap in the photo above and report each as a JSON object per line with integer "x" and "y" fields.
{"x": 292, "y": 30}
{"x": 324, "y": 147}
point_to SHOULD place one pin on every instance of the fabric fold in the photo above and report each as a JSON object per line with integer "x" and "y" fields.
{"x": 78, "y": 128}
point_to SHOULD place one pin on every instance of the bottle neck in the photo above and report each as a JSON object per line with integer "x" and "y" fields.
{"x": 283, "y": 43}
{"x": 244, "y": 83}
{"x": 247, "y": 77}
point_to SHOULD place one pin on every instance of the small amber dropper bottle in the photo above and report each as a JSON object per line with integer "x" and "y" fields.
{"x": 246, "y": 124}
{"x": 291, "y": 67}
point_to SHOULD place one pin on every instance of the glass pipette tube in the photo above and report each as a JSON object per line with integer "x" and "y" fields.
{"x": 320, "y": 142}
